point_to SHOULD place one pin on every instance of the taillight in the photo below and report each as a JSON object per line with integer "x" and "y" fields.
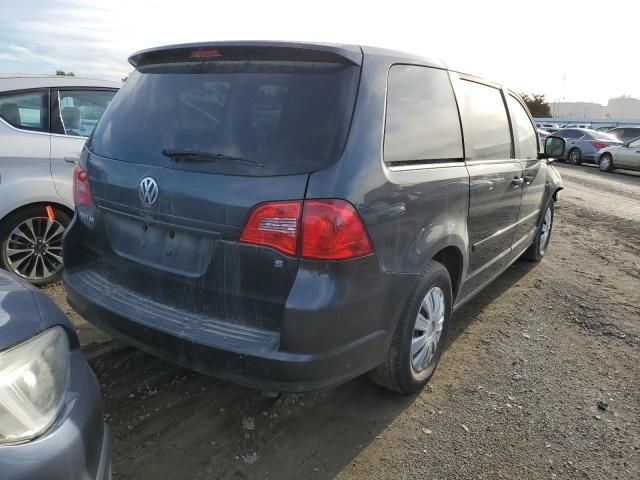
{"x": 274, "y": 225}
{"x": 81, "y": 188}
{"x": 599, "y": 145}
{"x": 325, "y": 229}
{"x": 332, "y": 230}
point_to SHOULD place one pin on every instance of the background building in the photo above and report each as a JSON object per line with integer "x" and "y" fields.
{"x": 577, "y": 110}
{"x": 623, "y": 108}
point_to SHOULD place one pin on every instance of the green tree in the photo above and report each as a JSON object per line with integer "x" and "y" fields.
{"x": 537, "y": 104}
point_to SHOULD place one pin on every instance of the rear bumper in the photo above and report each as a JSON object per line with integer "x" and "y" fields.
{"x": 310, "y": 353}
{"x": 76, "y": 447}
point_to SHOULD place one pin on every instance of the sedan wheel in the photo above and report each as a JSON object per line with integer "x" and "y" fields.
{"x": 575, "y": 157}
{"x": 31, "y": 243}
{"x": 606, "y": 163}
{"x": 34, "y": 248}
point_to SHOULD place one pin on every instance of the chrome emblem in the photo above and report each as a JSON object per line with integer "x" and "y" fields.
{"x": 148, "y": 191}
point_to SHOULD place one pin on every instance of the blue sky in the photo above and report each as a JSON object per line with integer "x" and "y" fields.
{"x": 576, "y": 50}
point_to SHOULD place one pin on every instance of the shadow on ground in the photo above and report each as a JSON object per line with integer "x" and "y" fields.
{"x": 168, "y": 422}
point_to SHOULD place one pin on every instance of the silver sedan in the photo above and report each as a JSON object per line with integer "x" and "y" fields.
{"x": 626, "y": 155}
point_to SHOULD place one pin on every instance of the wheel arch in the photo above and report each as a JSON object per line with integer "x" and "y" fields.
{"x": 57, "y": 205}
{"x": 452, "y": 259}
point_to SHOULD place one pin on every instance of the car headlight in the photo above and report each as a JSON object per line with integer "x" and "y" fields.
{"x": 34, "y": 379}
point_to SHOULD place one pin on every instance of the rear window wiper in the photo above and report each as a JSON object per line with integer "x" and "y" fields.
{"x": 197, "y": 156}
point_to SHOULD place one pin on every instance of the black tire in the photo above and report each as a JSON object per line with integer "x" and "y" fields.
{"x": 536, "y": 251}
{"x": 397, "y": 372}
{"x": 574, "y": 157}
{"x": 14, "y": 219}
{"x": 606, "y": 163}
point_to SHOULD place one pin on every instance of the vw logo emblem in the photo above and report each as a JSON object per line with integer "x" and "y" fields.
{"x": 148, "y": 191}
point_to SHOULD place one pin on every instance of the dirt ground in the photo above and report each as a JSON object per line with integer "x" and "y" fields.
{"x": 540, "y": 379}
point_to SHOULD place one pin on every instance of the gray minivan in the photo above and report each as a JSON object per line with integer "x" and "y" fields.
{"x": 289, "y": 216}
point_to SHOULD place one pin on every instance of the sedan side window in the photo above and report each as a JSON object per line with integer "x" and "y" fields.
{"x": 572, "y": 134}
{"x": 80, "y": 110}
{"x": 635, "y": 143}
{"x": 28, "y": 111}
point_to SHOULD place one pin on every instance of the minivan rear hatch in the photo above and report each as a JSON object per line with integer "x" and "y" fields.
{"x": 197, "y": 136}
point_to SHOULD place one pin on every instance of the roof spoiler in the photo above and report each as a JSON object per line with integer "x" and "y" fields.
{"x": 246, "y": 51}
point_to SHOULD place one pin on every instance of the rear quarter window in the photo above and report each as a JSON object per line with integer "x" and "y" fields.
{"x": 28, "y": 110}
{"x": 422, "y": 122}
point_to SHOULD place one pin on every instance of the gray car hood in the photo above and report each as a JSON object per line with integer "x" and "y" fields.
{"x": 25, "y": 311}
{"x": 20, "y": 316}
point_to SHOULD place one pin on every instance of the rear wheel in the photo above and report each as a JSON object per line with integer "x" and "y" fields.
{"x": 575, "y": 156}
{"x": 420, "y": 335}
{"x": 606, "y": 163}
{"x": 31, "y": 243}
{"x": 536, "y": 251}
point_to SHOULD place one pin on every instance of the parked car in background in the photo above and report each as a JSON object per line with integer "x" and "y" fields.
{"x": 626, "y": 155}
{"x": 542, "y": 136}
{"x": 605, "y": 128}
{"x": 624, "y": 134}
{"x": 50, "y": 407}
{"x": 44, "y": 122}
{"x": 584, "y": 144}
{"x": 549, "y": 127}
{"x": 251, "y": 227}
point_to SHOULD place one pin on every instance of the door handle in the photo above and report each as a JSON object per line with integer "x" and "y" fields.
{"x": 517, "y": 181}
{"x": 528, "y": 179}
{"x": 72, "y": 159}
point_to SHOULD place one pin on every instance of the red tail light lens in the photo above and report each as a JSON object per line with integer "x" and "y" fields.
{"x": 599, "y": 145}
{"x": 274, "y": 225}
{"x": 328, "y": 229}
{"x": 81, "y": 188}
{"x": 332, "y": 230}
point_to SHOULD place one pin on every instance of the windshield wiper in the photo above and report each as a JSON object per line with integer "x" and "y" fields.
{"x": 197, "y": 156}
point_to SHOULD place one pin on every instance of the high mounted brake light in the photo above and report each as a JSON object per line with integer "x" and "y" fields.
{"x": 247, "y": 52}
{"x": 313, "y": 229}
{"x": 205, "y": 53}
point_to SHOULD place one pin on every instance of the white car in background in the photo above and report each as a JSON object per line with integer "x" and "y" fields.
{"x": 44, "y": 123}
{"x": 626, "y": 155}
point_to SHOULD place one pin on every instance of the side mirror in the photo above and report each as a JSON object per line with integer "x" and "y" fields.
{"x": 554, "y": 147}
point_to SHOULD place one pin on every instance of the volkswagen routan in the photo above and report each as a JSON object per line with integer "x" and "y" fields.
{"x": 289, "y": 216}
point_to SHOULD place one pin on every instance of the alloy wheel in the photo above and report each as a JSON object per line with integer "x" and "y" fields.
{"x": 34, "y": 248}
{"x": 574, "y": 156}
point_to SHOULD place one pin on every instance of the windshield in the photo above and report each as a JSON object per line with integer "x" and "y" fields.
{"x": 287, "y": 117}
{"x": 603, "y": 136}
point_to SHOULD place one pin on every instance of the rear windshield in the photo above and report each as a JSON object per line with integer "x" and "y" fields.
{"x": 255, "y": 118}
{"x": 603, "y": 136}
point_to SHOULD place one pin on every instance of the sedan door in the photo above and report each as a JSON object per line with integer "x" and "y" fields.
{"x": 24, "y": 147}
{"x": 74, "y": 114}
{"x": 628, "y": 156}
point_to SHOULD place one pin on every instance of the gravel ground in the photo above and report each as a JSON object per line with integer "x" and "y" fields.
{"x": 540, "y": 379}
